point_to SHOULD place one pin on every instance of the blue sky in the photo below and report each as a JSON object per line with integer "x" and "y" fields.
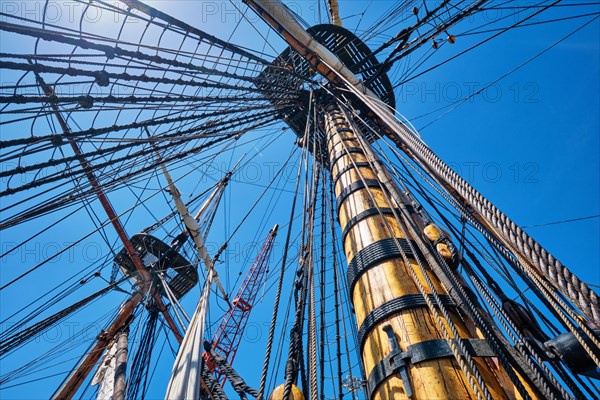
{"x": 529, "y": 142}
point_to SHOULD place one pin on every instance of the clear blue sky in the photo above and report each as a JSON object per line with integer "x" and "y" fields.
{"x": 529, "y": 142}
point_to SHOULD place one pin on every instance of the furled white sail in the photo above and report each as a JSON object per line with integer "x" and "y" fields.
{"x": 192, "y": 226}
{"x": 185, "y": 377}
{"x": 105, "y": 375}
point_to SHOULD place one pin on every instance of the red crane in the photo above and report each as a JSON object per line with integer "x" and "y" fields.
{"x": 228, "y": 335}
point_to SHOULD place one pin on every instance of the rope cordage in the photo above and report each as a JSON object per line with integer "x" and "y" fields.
{"x": 215, "y": 390}
{"x": 536, "y": 372}
{"x": 302, "y": 289}
{"x": 140, "y": 153}
{"x": 336, "y": 290}
{"x": 465, "y": 214}
{"x": 194, "y": 99}
{"x": 137, "y": 383}
{"x": 310, "y": 262}
{"x": 295, "y": 354}
{"x": 322, "y": 286}
{"x": 239, "y": 385}
{"x": 499, "y": 224}
{"x": 92, "y": 132}
{"x": 23, "y": 336}
{"x": 440, "y": 267}
{"x": 463, "y": 358}
{"x": 554, "y": 302}
{"x": 153, "y": 12}
{"x": 104, "y": 77}
{"x": 265, "y": 370}
{"x": 509, "y": 232}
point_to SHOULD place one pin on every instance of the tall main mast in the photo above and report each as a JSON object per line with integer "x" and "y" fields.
{"x": 414, "y": 339}
{"x": 403, "y": 347}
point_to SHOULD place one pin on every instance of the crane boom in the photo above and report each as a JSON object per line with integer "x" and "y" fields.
{"x": 229, "y": 333}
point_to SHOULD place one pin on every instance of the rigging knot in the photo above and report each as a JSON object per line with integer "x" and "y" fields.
{"x": 56, "y": 140}
{"x": 102, "y": 78}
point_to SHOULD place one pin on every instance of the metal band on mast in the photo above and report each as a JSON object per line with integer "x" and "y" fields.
{"x": 390, "y": 308}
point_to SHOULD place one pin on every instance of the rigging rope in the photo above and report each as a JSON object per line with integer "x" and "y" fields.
{"x": 446, "y": 326}
{"x": 174, "y": 25}
{"x": 543, "y": 380}
{"x": 500, "y": 225}
{"x": 239, "y": 385}
{"x": 545, "y": 388}
{"x": 137, "y": 382}
{"x": 322, "y": 286}
{"x": 265, "y": 369}
{"x": 295, "y": 360}
{"x": 17, "y": 339}
{"x": 310, "y": 263}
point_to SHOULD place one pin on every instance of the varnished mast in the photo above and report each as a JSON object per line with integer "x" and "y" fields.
{"x": 408, "y": 349}
{"x": 419, "y": 334}
{"x": 390, "y": 310}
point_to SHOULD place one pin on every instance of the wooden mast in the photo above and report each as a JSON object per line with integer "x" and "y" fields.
{"x": 381, "y": 283}
{"x": 143, "y": 280}
{"x": 122, "y": 340}
{"x": 91, "y": 358}
{"x": 386, "y": 336}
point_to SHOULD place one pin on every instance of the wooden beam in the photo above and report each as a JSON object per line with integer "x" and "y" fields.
{"x": 391, "y": 279}
{"x": 144, "y": 279}
{"x": 121, "y": 364}
{"x": 85, "y": 366}
{"x": 334, "y": 11}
